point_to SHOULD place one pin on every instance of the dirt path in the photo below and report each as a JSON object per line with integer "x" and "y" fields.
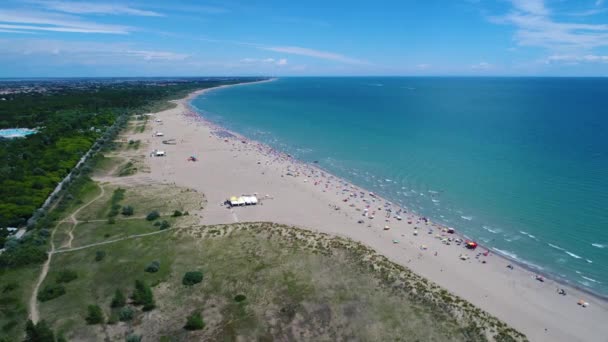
{"x": 33, "y": 305}
{"x": 115, "y": 240}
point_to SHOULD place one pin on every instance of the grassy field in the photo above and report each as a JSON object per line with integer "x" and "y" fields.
{"x": 292, "y": 291}
{"x": 15, "y": 290}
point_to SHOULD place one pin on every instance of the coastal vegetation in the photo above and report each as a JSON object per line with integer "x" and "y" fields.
{"x": 69, "y": 121}
{"x": 131, "y": 263}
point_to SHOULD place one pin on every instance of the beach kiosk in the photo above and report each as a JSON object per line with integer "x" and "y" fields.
{"x": 235, "y": 201}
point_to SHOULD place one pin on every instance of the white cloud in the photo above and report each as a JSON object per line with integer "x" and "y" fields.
{"x": 85, "y": 51}
{"x": 535, "y": 7}
{"x": 535, "y": 27}
{"x": 423, "y": 66}
{"x": 95, "y": 8}
{"x": 266, "y": 61}
{"x": 577, "y": 59}
{"x": 40, "y": 21}
{"x": 302, "y": 51}
{"x": 482, "y": 66}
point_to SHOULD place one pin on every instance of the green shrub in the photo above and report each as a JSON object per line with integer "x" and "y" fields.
{"x": 111, "y": 220}
{"x": 239, "y": 298}
{"x": 191, "y": 278}
{"x": 153, "y": 215}
{"x": 133, "y": 338}
{"x": 177, "y": 213}
{"x": 99, "y": 255}
{"x": 95, "y": 315}
{"x": 127, "y": 210}
{"x": 40, "y": 332}
{"x": 119, "y": 299}
{"x": 66, "y": 276}
{"x": 153, "y": 267}
{"x": 51, "y": 291}
{"x": 164, "y": 225}
{"x": 10, "y": 287}
{"x": 126, "y": 314}
{"x": 194, "y": 322}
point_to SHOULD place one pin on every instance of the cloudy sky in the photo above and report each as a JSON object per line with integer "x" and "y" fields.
{"x": 55, "y": 38}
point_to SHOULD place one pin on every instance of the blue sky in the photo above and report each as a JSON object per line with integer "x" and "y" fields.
{"x": 55, "y": 38}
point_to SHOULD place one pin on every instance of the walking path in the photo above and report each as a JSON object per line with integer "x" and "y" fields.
{"x": 34, "y": 314}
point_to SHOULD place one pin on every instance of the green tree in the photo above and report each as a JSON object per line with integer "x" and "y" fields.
{"x": 194, "y": 322}
{"x": 143, "y": 296}
{"x": 119, "y": 299}
{"x": 95, "y": 315}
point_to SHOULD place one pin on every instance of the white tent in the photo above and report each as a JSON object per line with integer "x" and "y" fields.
{"x": 160, "y": 153}
{"x": 159, "y": 134}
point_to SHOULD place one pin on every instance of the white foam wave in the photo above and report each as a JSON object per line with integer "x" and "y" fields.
{"x": 494, "y": 231}
{"x": 556, "y": 247}
{"x": 468, "y": 218}
{"x": 528, "y": 235}
{"x": 506, "y": 253}
{"x": 573, "y": 255}
{"x": 598, "y": 245}
{"x": 589, "y": 261}
{"x": 435, "y": 200}
{"x": 590, "y": 279}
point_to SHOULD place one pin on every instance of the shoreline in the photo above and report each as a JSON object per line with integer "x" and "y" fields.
{"x": 510, "y": 295}
{"x": 520, "y": 263}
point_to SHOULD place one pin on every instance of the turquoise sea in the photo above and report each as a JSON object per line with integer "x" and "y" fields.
{"x": 519, "y": 164}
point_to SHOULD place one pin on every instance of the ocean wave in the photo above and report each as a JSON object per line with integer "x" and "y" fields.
{"x": 556, "y": 247}
{"x": 528, "y": 235}
{"x": 493, "y": 231}
{"x": 506, "y": 253}
{"x": 468, "y": 218}
{"x": 573, "y": 255}
{"x": 598, "y": 245}
{"x": 593, "y": 280}
{"x": 435, "y": 200}
{"x": 589, "y": 261}
{"x": 433, "y": 192}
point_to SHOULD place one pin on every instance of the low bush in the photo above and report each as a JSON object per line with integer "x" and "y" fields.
{"x": 177, "y": 213}
{"x": 153, "y": 267}
{"x": 51, "y": 291}
{"x": 164, "y": 225}
{"x": 126, "y": 314}
{"x": 153, "y": 215}
{"x": 66, "y": 276}
{"x": 99, "y": 255}
{"x": 191, "y": 278}
{"x": 127, "y": 210}
{"x": 194, "y": 322}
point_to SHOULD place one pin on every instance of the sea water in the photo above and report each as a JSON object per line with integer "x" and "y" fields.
{"x": 519, "y": 164}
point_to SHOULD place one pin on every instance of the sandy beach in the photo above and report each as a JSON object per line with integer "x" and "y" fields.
{"x": 302, "y": 195}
